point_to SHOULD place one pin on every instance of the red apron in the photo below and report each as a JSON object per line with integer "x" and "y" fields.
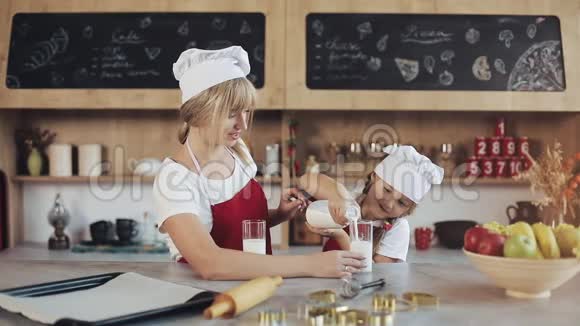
{"x": 249, "y": 203}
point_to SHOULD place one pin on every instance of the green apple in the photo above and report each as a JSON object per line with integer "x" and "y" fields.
{"x": 520, "y": 246}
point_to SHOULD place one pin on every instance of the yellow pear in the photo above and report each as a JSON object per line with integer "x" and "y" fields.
{"x": 546, "y": 241}
{"x": 568, "y": 238}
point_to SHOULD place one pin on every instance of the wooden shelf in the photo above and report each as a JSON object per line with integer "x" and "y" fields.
{"x": 109, "y": 179}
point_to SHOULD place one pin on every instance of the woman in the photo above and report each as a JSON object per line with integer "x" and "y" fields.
{"x": 206, "y": 189}
{"x": 391, "y": 192}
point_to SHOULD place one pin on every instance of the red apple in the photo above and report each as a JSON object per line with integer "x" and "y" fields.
{"x": 473, "y": 237}
{"x": 492, "y": 245}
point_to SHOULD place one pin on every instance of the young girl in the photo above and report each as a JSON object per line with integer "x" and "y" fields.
{"x": 391, "y": 192}
{"x": 206, "y": 189}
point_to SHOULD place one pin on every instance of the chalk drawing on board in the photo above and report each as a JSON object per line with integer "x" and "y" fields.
{"x": 472, "y": 36}
{"x": 531, "y": 30}
{"x": 409, "y": 68}
{"x": 88, "y": 32}
{"x": 506, "y": 36}
{"x": 43, "y": 52}
{"x": 152, "y": 53}
{"x": 61, "y": 39}
{"x": 56, "y": 79}
{"x": 429, "y": 63}
{"x": 219, "y": 23}
{"x": 12, "y": 81}
{"x": 365, "y": 29}
{"x": 481, "y": 69}
{"x": 22, "y": 29}
{"x": 318, "y": 27}
{"x": 413, "y": 34}
{"x": 382, "y": 43}
{"x": 259, "y": 53}
{"x": 446, "y": 78}
{"x": 191, "y": 44}
{"x": 183, "y": 29}
{"x": 374, "y": 64}
{"x": 145, "y": 22}
{"x": 245, "y": 29}
{"x": 81, "y": 74}
{"x": 500, "y": 66}
{"x": 447, "y": 56}
{"x": 538, "y": 69}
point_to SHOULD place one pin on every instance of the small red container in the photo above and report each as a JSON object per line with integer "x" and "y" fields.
{"x": 500, "y": 127}
{"x": 494, "y": 144}
{"x": 523, "y": 146}
{"x": 423, "y": 238}
{"x": 487, "y": 167}
{"x": 472, "y": 167}
{"x": 514, "y": 166}
{"x": 500, "y": 167}
{"x": 508, "y": 146}
{"x": 480, "y": 148}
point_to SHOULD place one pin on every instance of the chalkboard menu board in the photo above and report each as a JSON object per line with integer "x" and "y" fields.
{"x": 434, "y": 52}
{"x": 122, "y": 50}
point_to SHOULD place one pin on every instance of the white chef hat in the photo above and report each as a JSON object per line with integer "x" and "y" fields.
{"x": 197, "y": 70}
{"x": 409, "y": 172}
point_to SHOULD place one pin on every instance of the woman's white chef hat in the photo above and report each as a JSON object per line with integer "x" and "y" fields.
{"x": 197, "y": 70}
{"x": 409, "y": 172}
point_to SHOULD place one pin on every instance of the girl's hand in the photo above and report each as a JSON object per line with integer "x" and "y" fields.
{"x": 292, "y": 204}
{"x": 337, "y": 208}
{"x": 336, "y": 263}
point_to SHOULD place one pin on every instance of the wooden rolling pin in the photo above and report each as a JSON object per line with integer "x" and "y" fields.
{"x": 242, "y": 297}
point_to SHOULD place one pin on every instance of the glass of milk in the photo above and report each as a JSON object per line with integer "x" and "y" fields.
{"x": 254, "y": 236}
{"x": 361, "y": 241}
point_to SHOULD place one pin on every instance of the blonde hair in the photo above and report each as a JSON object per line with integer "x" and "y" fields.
{"x": 378, "y": 232}
{"x": 210, "y": 109}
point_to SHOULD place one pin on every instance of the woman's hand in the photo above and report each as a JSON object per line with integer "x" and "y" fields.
{"x": 292, "y": 204}
{"x": 337, "y": 208}
{"x": 336, "y": 263}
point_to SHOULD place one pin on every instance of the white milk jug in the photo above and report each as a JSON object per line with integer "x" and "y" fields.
{"x": 319, "y": 216}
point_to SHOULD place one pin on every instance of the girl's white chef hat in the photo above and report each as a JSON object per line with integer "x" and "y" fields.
{"x": 409, "y": 172}
{"x": 197, "y": 70}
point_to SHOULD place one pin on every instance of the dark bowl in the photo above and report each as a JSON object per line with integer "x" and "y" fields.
{"x": 450, "y": 233}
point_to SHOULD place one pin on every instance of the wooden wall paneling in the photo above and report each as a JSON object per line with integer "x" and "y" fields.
{"x": 268, "y": 97}
{"x": 137, "y": 134}
{"x": 9, "y": 122}
{"x": 430, "y": 129}
{"x": 298, "y": 96}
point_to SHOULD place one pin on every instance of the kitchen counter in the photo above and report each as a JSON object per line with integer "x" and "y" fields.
{"x": 38, "y": 251}
{"x": 466, "y": 296}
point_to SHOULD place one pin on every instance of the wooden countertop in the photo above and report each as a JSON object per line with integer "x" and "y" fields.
{"x": 466, "y": 296}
